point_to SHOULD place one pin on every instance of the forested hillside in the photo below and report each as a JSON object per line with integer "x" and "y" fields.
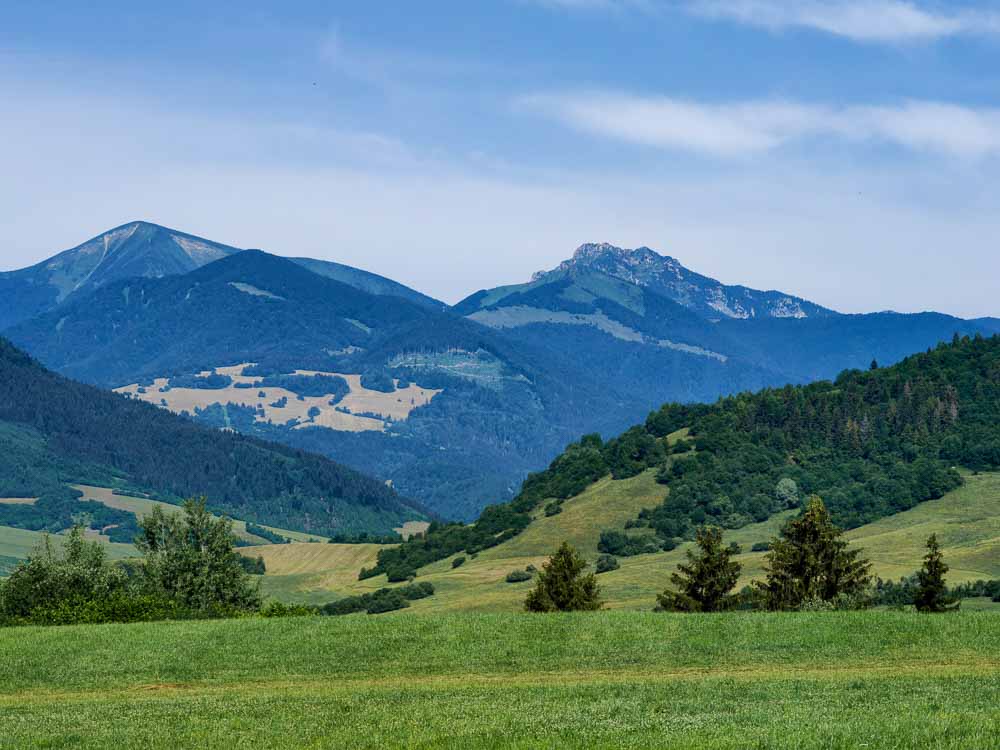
{"x": 56, "y": 431}
{"x": 871, "y": 443}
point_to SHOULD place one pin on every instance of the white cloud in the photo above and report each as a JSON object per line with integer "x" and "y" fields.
{"x": 851, "y": 237}
{"x": 861, "y": 20}
{"x": 743, "y": 128}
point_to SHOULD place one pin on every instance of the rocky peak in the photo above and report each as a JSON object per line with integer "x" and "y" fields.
{"x": 665, "y": 275}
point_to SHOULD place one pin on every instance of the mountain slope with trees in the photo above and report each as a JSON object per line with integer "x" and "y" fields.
{"x": 520, "y": 371}
{"x": 57, "y": 431}
{"x": 871, "y": 444}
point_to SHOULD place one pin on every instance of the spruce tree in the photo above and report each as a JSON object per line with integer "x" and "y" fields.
{"x": 704, "y": 583}
{"x": 810, "y": 561}
{"x": 932, "y": 593}
{"x": 561, "y": 587}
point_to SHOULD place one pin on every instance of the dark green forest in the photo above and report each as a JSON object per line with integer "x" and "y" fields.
{"x": 58, "y": 431}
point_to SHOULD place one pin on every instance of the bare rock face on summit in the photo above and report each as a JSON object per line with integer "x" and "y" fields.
{"x": 666, "y": 276}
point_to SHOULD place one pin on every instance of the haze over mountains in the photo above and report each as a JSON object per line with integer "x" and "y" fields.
{"x": 455, "y": 406}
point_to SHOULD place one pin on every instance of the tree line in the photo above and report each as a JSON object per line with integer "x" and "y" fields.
{"x": 189, "y": 569}
{"x": 871, "y": 443}
{"x": 809, "y": 567}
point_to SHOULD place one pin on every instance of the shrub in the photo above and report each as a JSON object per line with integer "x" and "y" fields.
{"x": 386, "y": 603}
{"x": 554, "y": 508}
{"x": 606, "y": 563}
{"x": 518, "y": 576}
{"x": 383, "y": 600}
{"x": 458, "y": 561}
{"x": 621, "y": 544}
{"x": 253, "y": 565}
{"x": 401, "y": 572}
{"x": 760, "y": 547}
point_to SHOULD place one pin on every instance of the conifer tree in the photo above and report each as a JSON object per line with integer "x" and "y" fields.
{"x": 561, "y": 587}
{"x": 932, "y": 594}
{"x": 810, "y": 561}
{"x": 704, "y": 582}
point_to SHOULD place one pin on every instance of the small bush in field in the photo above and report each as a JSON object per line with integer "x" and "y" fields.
{"x": 518, "y": 576}
{"x": 606, "y": 563}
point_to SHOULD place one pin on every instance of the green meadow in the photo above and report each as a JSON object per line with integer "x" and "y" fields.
{"x": 967, "y": 522}
{"x": 599, "y": 680}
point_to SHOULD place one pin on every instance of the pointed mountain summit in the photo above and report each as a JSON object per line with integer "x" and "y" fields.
{"x": 136, "y": 249}
{"x": 251, "y": 305}
{"x": 141, "y": 249}
{"x": 666, "y": 276}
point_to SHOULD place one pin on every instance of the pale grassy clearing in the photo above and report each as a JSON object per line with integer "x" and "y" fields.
{"x": 350, "y": 414}
{"x": 410, "y": 528}
{"x": 18, "y": 500}
{"x": 142, "y": 507}
{"x": 19, "y": 543}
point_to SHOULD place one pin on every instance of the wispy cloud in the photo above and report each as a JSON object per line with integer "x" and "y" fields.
{"x": 861, "y": 20}
{"x": 877, "y": 21}
{"x": 745, "y": 128}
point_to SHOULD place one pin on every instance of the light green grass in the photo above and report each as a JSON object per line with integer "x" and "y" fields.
{"x": 967, "y": 522}
{"x": 142, "y": 506}
{"x": 19, "y": 543}
{"x": 600, "y": 680}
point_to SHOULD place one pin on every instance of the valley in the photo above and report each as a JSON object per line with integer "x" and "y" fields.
{"x": 455, "y": 406}
{"x": 516, "y": 375}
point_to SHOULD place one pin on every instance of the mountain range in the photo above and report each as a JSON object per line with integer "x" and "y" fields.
{"x": 454, "y": 406}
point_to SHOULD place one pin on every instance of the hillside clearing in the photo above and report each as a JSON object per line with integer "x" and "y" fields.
{"x": 967, "y": 522}
{"x": 603, "y": 680}
{"x": 143, "y": 506}
{"x": 362, "y": 409}
{"x": 17, "y": 544}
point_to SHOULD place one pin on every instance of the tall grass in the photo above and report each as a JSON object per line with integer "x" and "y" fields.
{"x": 610, "y": 679}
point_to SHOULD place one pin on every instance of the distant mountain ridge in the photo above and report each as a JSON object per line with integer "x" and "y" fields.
{"x": 666, "y": 276}
{"x": 140, "y": 249}
{"x": 494, "y": 387}
{"x": 136, "y": 249}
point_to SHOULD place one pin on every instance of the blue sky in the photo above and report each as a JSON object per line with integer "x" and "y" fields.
{"x": 843, "y": 151}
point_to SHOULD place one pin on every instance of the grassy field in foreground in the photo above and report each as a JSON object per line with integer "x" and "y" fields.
{"x": 600, "y": 680}
{"x": 967, "y": 522}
